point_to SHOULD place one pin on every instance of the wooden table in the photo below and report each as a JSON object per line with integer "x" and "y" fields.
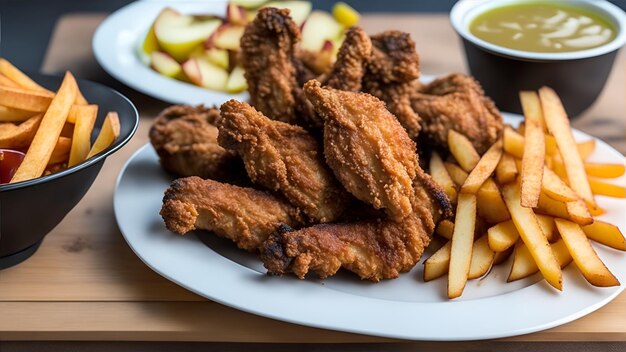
{"x": 85, "y": 283}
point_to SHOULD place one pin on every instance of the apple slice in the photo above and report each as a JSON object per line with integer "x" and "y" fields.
{"x": 218, "y": 57}
{"x": 226, "y": 37}
{"x": 345, "y": 14}
{"x": 165, "y": 65}
{"x": 298, "y": 10}
{"x": 148, "y": 46}
{"x": 236, "y": 81}
{"x": 236, "y": 14}
{"x": 318, "y": 28}
{"x": 205, "y": 74}
{"x": 179, "y": 34}
{"x": 248, "y": 4}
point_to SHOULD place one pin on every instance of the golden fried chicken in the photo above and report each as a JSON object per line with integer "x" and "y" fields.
{"x": 367, "y": 148}
{"x": 284, "y": 158}
{"x": 185, "y": 139}
{"x": 457, "y": 102}
{"x": 347, "y": 72}
{"x": 267, "y": 54}
{"x": 391, "y": 76}
{"x": 244, "y": 215}
{"x": 374, "y": 249}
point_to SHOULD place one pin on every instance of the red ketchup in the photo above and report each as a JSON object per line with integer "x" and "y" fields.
{"x": 10, "y": 160}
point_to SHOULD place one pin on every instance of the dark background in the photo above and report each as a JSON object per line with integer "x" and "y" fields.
{"x": 26, "y": 25}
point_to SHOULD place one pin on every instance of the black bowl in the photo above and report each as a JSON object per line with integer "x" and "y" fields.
{"x": 31, "y": 209}
{"x": 578, "y": 77}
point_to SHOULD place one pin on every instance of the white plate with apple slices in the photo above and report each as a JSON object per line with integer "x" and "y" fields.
{"x": 194, "y": 42}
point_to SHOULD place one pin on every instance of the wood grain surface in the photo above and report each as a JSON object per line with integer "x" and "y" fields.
{"x": 85, "y": 283}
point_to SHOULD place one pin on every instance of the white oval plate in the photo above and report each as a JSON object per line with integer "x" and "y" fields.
{"x": 404, "y": 308}
{"x": 117, "y": 39}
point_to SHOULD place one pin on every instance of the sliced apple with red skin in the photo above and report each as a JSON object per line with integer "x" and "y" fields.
{"x": 226, "y": 37}
{"x": 298, "y": 10}
{"x": 318, "y": 28}
{"x": 236, "y": 14}
{"x": 248, "y": 4}
{"x": 205, "y": 74}
{"x": 165, "y": 65}
{"x": 219, "y": 57}
{"x": 236, "y": 81}
{"x": 179, "y": 34}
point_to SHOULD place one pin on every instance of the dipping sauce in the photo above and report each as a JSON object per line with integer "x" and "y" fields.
{"x": 10, "y": 160}
{"x": 543, "y": 27}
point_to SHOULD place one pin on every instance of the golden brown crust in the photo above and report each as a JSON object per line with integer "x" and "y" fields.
{"x": 457, "y": 102}
{"x": 367, "y": 149}
{"x": 267, "y": 54}
{"x": 185, "y": 139}
{"x": 283, "y": 158}
{"x": 347, "y": 72}
{"x": 244, "y": 215}
{"x": 373, "y": 249}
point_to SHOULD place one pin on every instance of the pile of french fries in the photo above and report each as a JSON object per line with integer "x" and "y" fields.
{"x": 531, "y": 195}
{"x": 53, "y": 128}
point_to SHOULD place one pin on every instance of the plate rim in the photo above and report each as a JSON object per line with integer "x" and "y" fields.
{"x": 394, "y": 307}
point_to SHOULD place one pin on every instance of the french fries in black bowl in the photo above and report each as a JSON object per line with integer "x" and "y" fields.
{"x": 62, "y": 155}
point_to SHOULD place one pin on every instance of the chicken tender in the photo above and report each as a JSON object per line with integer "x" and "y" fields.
{"x": 374, "y": 249}
{"x": 283, "y": 158}
{"x": 347, "y": 72}
{"x": 367, "y": 148}
{"x": 185, "y": 139}
{"x": 457, "y": 102}
{"x": 244, "y": 215}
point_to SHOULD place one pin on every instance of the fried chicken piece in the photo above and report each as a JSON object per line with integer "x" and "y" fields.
{"x": 391, "y": 76}
{"x": 373, "y": 249}
{"x": 244, "y": 215}
{"x": 347, "y": 72}
{"x": 267, "y": 54}
{"x": 367, "y": 148}
{"x": 284, "y": 158}
{"x": 185, "y": 139}
{"x": 457, "y": 102}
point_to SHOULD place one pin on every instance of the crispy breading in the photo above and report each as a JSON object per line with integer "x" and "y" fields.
{"x": 283, "y": 158}
{"x": 457, "y": 102}
{"x": 244, "y": 215}
{"x": 185, "y": 139}
{"x": 347, "y": 72}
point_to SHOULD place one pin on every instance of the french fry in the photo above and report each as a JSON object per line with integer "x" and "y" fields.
{"x": 607, "y": 189}
{"x": 491, "y": 207}
{"x": 558, "y": 125}
{"x": 438, "y": 263}
{"x": 483, "y": 169}
{"x": 457, "y": 174}
{"x": 74, "y": 111}
{"x": 533, "y": 159}
{"x": 61, "y": 151}
{"x": 21, "y": 136}
{"x": 528, "y": 227}
{"x": 556, "y": 189}
{"x": 585, "y": 257}
{"x": 586, "y": 148}
{"x": 14, "y": 115}
{"x": 22, "y": 99}
{"x": 604, "y": 170}
{"x": 482, "y": 258}
{"x": 108, "y": 134}
{"x": 548, "y": 227}
{"x": 7, "y": 82}
{"x": 462, "y": 243}
{"x": 442, "y": 178}
{"x": 445, "y": 229}
{"x": 463, "y": 150}
{"x": 21, "y": 79}
{"x": 575, "y": 211}
{"x": 514, "y": 143}
{"x": 502, "y": 236}
{"x": 605, "y": 233}
{"x": 43, "y": 143}
{"x": 506, "y": 171}
{"x": 524, "y": 265}
{"x": 81, "y": 141}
